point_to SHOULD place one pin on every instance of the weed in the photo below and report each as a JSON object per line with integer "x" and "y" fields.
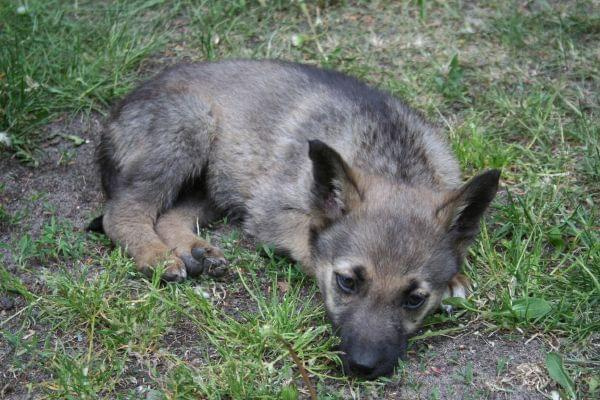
{"x": 58, "y": 241}
{"x": 501, "y": 366}
{"x": 451, "y": 84}
{"x": 466, "y": 374}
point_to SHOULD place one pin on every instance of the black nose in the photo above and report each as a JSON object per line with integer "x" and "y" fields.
{"x": 364, "y": 365}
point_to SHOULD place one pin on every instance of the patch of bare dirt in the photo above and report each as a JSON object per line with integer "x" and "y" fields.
{"x": 476, "y": 365}
{"x": 64, "y": 185}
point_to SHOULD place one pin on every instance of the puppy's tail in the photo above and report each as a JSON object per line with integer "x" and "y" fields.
{"x": 96, "y": 225}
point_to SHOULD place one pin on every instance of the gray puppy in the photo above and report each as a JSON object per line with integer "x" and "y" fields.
{"x": 342, "y": 177}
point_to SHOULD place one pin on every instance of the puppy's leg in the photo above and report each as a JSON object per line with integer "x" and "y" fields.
{"x": 176, "y": 228}
{"x": 130, "y": 223}
{"x": 459, "y": 286}
{"x": 155, "y": 145}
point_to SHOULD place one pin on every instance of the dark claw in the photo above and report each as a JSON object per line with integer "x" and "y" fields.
{"x": 192, "y": 265}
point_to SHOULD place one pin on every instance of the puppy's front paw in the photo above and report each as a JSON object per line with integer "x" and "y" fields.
{"x": 175, "y": 270}
{"x": 212, "y": 260}
{"x": 459, "y": 286}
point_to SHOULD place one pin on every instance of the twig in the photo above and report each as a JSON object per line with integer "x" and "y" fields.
{"x": 300, "y": 364}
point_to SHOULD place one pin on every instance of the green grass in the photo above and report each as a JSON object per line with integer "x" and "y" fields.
{"x": 76, "y": 56}
{"x": 514, "y": 87}
{"x": 58, "y": 56}
{"x": 108, "y": 321}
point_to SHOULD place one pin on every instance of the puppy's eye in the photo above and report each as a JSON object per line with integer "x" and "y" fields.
{"x": 346, "y": 283}
{"x": 414, "y": 301}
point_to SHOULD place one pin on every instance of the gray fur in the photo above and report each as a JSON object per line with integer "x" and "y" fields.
{"x": 380, "y": 188}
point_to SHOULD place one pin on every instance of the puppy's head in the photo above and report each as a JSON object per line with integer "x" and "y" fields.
{"x": 384, "y": 254}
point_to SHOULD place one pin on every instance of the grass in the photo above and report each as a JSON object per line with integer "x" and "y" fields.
{"x": 59, "y": 56}
{"x": 515, "y": 87}
{"x": 107, "y": 319}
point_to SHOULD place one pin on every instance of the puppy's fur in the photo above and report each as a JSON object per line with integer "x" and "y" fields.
{"x": 344, "y": 178}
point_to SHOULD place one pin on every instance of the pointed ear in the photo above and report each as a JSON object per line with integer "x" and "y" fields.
{"x": 468, "y": 204}
{"x": 334, "y": 189}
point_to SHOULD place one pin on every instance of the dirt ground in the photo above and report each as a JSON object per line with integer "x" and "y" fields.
{"x": 470, "y": 365}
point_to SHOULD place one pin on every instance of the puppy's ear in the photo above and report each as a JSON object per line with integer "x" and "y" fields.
{"x": 334, "y": 188}
{"x": 467, "y": 205}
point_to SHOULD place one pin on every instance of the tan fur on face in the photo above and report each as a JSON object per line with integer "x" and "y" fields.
{"x": 382, "y": 292}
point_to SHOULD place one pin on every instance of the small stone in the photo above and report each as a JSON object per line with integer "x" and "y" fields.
{"x": 5, "y": 139}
